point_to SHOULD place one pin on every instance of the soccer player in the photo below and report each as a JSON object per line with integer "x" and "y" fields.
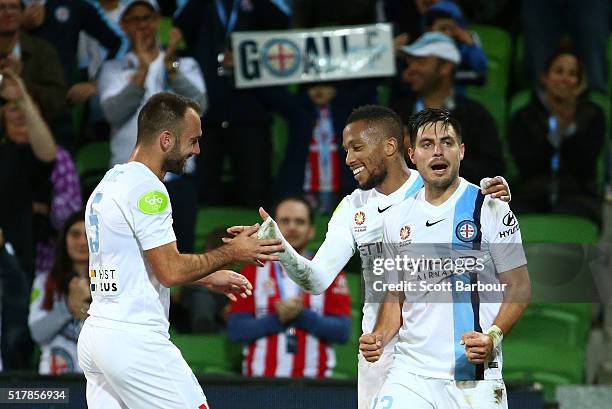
{"x": 448, "y": 355}
{"x": 124, "y": 347}
{"x": 373, "y": 139}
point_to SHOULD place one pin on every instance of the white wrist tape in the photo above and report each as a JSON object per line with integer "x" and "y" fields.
{"x": 496, "y": 335}
{"x": 298, "y": 268}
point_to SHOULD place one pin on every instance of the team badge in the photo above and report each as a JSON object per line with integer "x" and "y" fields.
{"x": 466, "y": 231}
{"x": 359, "y": 218}
{"x": 405, "y": 232}
{"x": 62, "y": 14}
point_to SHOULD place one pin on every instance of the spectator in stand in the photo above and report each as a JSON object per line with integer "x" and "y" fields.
{"x": 588, "y": 22}
{"x": 301, "y": 326}
{"x": 51, "y": 215}
{"x": 33, "y": 59}
{"x": 23, "y": 162}
{"x": 125, "y": 85}
{"x": 60, "y": 300}
{"x": 556, "y": 140}
{"x": 27, "y": 153}
{"x": 234, "y": 115}
{"x": 60, "y": 22}
{"x": 446, "y": 17}
{"x": 432, "y": 60}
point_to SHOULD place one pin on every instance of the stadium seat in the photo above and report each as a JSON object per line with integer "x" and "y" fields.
{"x": 209, "y": 218}
{"x": 497, "y": 45}
{"x": 210, "y": 354}
{"x": 557, "y": 228}
{"x": 548, "y": 324}
{"x": 92, "y": 162}
{"x": 530, "y": 361}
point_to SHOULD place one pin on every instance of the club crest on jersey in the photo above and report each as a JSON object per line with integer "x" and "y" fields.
{"x": 466, "y": 231}
{"x": 360, "y": 219}
{"x": 405, "y": 232}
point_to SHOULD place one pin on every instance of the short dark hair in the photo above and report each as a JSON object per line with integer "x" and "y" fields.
{"x": 295, "y": 198}
{"x": 163, "y": 111}
{"x": 431, "y": 116}
{"x": 380, "y": 115}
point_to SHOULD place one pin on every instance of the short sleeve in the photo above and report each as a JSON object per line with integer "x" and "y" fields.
{"x": 151, "y": 215}
{"x": 246, "y": 304}
{"x": 337, "y": 297}
{"x": 501, "y": 231}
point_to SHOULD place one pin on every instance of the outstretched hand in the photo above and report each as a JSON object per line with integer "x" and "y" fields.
{"x": 246, "y": 247}
{"x": 228, "y": 282}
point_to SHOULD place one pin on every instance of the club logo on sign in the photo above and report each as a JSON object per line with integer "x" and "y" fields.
{"x": 281, "y": 57}
{"x": 466, "y": 231}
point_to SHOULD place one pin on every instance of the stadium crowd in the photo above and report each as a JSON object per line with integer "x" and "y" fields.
{"x": 75, "y": 73}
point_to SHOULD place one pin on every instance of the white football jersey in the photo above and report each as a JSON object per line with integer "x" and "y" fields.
{"x": 358, "y": 222}
{"x": 468, "y": 230}
{"x": 128, "y": 212}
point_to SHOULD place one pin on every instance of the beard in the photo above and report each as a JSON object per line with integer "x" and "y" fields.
{"x": 174, "y": 162}
{"x": 375, "y": 179}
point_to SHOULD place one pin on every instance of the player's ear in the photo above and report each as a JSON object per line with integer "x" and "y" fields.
{"x": 391, "y": 146}
{"x": 461, "y": 152}
{"x": 411, "y": 155}
{"x": 166, "y": 140}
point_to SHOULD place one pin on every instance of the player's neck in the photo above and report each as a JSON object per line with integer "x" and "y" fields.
{"x": 437, "y": 196}
{"x": 149, "y": 159}
{"x": 397, "y": 175}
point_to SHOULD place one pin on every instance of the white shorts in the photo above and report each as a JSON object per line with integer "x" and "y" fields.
{"x": 404, "y": 390}
{"x": 127, "y": 369}
{"x": 371, "y": 376}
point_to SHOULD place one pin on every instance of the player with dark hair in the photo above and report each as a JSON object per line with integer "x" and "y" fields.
{"x": 448, "y": 353}
{"x": 374, "y": 141}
